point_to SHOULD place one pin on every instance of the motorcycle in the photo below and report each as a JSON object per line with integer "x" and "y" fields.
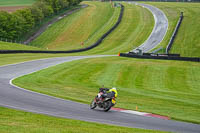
{"x": 103, "y": 102}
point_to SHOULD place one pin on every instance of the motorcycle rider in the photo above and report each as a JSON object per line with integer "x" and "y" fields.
{"x": 110, "y": 94}
{"x": 105, "y": 99}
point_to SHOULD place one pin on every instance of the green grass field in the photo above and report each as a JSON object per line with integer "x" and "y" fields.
{"x": 187, "y": 41}
{"x": 16, "y": 2}
{"x": 134, "y": 29}
{"x": 16, "y": 58}
{"x": 85, "y": 26}
{"x": 187, "y": 37}
{"x": 148, "y": 84}
{"x": 15, "y": 46}
{"x": 25, "y": 122}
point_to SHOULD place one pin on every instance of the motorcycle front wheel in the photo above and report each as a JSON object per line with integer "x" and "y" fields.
{"x": 93, "y": 104}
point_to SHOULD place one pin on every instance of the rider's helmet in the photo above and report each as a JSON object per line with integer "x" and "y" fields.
{"x": 114, "y": 88}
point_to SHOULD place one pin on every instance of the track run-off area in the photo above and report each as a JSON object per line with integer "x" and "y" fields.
{"x": 18, "y": 98}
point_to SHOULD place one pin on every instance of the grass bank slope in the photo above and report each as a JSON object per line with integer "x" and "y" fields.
{"x": 168, "y": 88}
{"x": 25, "y": 122}
{"x": 88, "y": 26}
{"x": 135, "y": 27}
{"x": 16, "y": 2}
{"x": 85, "y": 26}
{"x": 187, "y": 41}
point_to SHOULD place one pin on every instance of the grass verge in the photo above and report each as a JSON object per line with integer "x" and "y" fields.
{"x": 24, "y": 122}
{"x": 168, "y": 88}
{"x": 16, "y": 46}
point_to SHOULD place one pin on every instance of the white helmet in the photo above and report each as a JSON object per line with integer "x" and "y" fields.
{"x": 114, "y": 88}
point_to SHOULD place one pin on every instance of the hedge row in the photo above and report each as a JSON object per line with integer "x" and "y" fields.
{"x": 14, "y": 25}
{"x": 71, "y": 51}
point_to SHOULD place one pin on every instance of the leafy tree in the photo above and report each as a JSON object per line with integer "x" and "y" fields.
{"x": 4, "y": 20}
{"x": 64, "y": 3}
{"x": 16, "y": 28}
{"x": 46, "y": 9}
{"x": 48, "y": 2}
{"x": 37, "y": 13}
{"x": 28, "y": 18}
{"x": 56, "y": 6}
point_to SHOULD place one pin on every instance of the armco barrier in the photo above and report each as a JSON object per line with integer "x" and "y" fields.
{"x": 174, "y": 33}
{"x": 70, "y": 51}
{"x": 153, "y": 54}
{"x": 196, "y": 59}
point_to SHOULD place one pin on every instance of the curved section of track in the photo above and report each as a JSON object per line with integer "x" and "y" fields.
{"x": 18, "y": 98}
{"x": 159, "y": 30}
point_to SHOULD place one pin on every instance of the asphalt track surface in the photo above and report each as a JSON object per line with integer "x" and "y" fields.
{"x": 18, "y": 98}
{"x": 159, "y": 30}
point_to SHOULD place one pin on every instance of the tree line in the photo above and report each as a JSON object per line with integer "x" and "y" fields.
{"x": 14, "y": 25}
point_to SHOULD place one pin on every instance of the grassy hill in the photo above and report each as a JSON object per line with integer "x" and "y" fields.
{"x": 69, "y": 33}
{"x": 85, "y": 26}
{"x": 16, "y": 2}
{"x": 163, "y": 87}
{"x": 135, "y": 27}
{"x": 187, "y": 41}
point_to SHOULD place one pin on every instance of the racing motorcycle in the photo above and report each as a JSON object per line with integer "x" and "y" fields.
{"x": 103, "y": 102}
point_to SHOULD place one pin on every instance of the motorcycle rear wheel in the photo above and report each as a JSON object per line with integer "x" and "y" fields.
{"x": 93, "y": 104}
{"x": 108, "y": 105}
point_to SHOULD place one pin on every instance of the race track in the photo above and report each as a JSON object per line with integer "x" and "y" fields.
{"x": 14, "y": 97}
{"x": 18, "y": 98}
{"x": 159, "y": 30}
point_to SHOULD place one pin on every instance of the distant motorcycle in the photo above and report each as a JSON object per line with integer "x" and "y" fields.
{"x": 103, "y": 102}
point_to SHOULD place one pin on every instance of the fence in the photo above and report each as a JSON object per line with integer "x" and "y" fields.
{"x": 161, "y": 57}
{"x": 11, "y": 41}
